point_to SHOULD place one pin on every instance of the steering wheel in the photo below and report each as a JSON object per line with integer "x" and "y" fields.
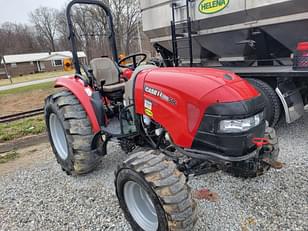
{"x": 135, "y": 63}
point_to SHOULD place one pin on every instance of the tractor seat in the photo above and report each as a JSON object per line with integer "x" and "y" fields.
{"x": 106, "y": 69}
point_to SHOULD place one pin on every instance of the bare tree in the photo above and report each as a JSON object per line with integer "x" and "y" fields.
{"x": 49, "y": 32}
{"x": 91, "y": 31}
{"x": 46, "y": 21}
{"x": 91, "y": 27}
{"x": 17, "y": 38}
{"x": 63, "y": 42}
{"x": 126, "y": 19}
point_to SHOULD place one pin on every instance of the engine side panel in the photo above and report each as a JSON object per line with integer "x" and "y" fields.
{"x": 177, "y": 98}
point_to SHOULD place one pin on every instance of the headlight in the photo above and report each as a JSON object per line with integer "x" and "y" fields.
{"x": 240, "y": 125}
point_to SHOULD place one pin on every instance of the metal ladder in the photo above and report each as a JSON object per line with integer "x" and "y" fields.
{"x": 186, "y": 34}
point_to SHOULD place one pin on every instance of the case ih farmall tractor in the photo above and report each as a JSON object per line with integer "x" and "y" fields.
{"x": 184, "y": 121}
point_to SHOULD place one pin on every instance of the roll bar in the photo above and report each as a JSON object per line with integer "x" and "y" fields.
{"x": 72, "y": 36}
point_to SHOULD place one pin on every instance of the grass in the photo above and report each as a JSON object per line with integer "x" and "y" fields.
{"x": 36, "y": 76}
{"x": 27, "y": 126}
{"x": 41, "y": 86}
{"x": 20, "y": 128}
{"x": 8, "y": 157}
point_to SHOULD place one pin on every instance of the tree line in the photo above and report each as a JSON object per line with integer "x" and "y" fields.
{"x": 48, "y": 30}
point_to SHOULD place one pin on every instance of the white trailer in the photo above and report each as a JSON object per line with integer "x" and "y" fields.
{"x": 258, "y": 39}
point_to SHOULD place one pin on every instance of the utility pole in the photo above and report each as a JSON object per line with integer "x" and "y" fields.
{"x": 139, "y": 36}
{"x": 5, "y": 69}
{"x": 139, "y": 23}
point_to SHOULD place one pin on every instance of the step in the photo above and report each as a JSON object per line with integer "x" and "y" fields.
{"x": 180, "y": 21}
{"x": 180, "y": 35}
{"x": 183, "y": 39}
{"x": 181, "y": 48}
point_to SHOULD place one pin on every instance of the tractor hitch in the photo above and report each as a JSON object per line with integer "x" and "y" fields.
{"x": 260, "y": 142}
{"x": 273, "y": 163}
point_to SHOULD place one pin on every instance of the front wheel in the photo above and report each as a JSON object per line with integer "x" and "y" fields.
{"x": 257, "y": 167}
{"x": 271, "y": 100}
{"x": 153, "y": 194}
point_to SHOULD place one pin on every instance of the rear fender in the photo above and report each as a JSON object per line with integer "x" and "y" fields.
{"x": 83, "y": 94}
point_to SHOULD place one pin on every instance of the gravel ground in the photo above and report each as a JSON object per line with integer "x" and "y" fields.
{"x": 42, "y": 197}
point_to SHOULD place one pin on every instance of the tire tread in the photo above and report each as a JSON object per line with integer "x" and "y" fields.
{"x": 78, "y": 132}
{"x": 169, "y": 185}
{"x": 272, "y": 96}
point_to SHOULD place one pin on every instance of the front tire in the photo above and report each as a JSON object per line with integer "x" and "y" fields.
{"x": 70, "y": 133}
{"x": 153, "y": 194}
{"x": 256, "y": 167}
{"x": 272, "y": 102}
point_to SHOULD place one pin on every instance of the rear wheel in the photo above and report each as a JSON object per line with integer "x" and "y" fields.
{"x": 272, "y": 102}
{"x": 70, "y": 133}
{"x": 153, "y": 194}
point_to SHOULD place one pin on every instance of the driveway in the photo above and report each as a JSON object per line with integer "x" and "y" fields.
{"x": 29, "y": 83}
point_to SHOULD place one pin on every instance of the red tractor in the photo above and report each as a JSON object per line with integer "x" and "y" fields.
{"x": 184, "y": 121}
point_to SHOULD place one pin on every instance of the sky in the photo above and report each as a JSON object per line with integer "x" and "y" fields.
{"x": 18, "y": 11}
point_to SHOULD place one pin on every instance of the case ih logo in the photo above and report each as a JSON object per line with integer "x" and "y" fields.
{"x": 152, "y": 91}
{"x": 212, "y": 6}
{"x": 160, "y": 94}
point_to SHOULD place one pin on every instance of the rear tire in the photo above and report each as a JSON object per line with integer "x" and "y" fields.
{"x": 70, "y": 133}
{"x": 164, "y": 191}
{"x": 272, "y": 102}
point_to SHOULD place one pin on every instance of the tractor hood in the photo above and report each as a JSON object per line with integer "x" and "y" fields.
{"x": 178, "y": 98}
{"x": 198, "y": 84}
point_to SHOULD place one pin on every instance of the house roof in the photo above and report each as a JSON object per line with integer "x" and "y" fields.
{"x": 21, "y": 58}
